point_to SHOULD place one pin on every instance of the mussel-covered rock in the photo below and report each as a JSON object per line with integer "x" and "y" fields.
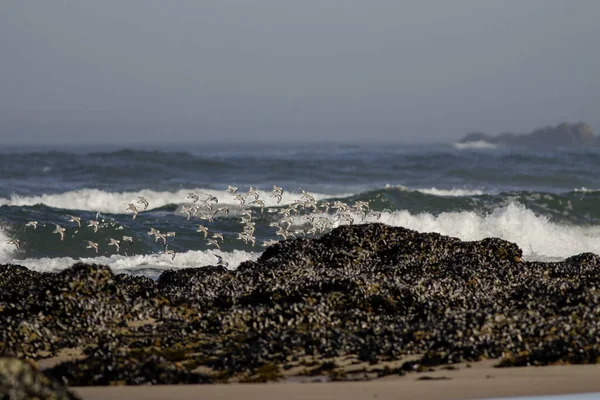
{"x": 20, "y": 380}
{"x": 370, "y": 292}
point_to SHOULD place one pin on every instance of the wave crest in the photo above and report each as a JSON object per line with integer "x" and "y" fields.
{"x": 479, "y": 144}
{"x": 116, "y": 202}
{"x": 536, "y": 235}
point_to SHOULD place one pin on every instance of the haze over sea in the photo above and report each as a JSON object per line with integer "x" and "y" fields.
{"x": 547, "y": 201}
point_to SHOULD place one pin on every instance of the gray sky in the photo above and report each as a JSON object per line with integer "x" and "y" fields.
{"x": 119, "y": 70}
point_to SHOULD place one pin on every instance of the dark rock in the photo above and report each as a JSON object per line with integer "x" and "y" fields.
{"x": 562, "y": 135}
{"x": 370, "y": 292}
{"x": 20, "y": 380}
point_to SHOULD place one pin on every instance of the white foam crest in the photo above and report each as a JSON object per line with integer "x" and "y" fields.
{"x": 116, "y": 202}
{"x": 477, "y": 144}
{"x": 539, "y": 238}
{"x": 6, "y": 249}
{"x": 141, "y": 263}
{"x": 454, "y": 192}
{"x": 583, "y": 189}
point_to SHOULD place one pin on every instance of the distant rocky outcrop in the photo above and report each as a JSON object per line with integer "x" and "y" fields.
{"x": 562, "y": 135}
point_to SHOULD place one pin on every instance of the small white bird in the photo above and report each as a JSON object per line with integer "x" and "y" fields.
{"x": 205, "y": 205}
{"x": 202, "y": 228}
{"x": 16, "y": 242}
{"x": 92, "y": 245}
{"x": 189, "y": 211}
{"x": 206, "y": 217}
{"x": 259, "y": 203}
{"x": 95, "y": 224}
{"x": 240, "y": 198}
{"x": 277, "y": 193}
{"x": 306, "y": 195}
{"x": 73, "y": 218}
{"x": 172, "y": 253}
{"x": 162, "y": 236}
{"x": 217, "y": 236}
{"x": 222, "y": 209}
{"x": 252, "y": 192}
{"x": 269, "y": 243}
{"x": 213, "y": 243}
{"x": 277, "y": 189}
{"x": 128, "y": 239}
{"x": 153, "y": 231}
{"x": 170, "y": 234}
{"x": 142, "y": 200}
{"x": 115, "y": 242}
{"x": 232, "y": 189}
{"x": 32, "y": 223}
{"x": 211, "y": 198}
{"x": 220, "y": 260}
{"x": 133, "y": 208}
{"x": 60, "y": 230}
{"x": 193, "y": 196}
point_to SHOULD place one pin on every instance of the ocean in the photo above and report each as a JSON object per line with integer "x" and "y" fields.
{"x": 547, "y": 202}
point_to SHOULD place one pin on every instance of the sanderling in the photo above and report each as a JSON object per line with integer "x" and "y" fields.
{"x": 133, "y": 208}
{"x": 115, "y": 242}
{"x": 202, "y": 228}
{"x": 232, "y": 189}
{"x": 277, "y": 189}
{"x": 92, "y": 245}
{"x": 60, "y": 230}
{"x": 142, "y": 200}
{"x": 162, "y": 236}
{"x": 128, "y": 239}
{"x": 171, "y": 252}
{"x": 95, "y": 224}
{"x": 220, "y": 260}
{"x": 240, "y": 198}
{"x": 217, "y": 236}
{"x": 32, "y": 223}
{"x": 306, "y": 195}
{"x": 259, "y": 203}
{"x": 73, "y": 218}
{"x": 193, "y": 196}
{"x": 213, "y": 243}
{"x": 16, "y": 242}
{"x": 252, "y": 192}
{"x": 211, "y": 198}
{"x": 222, "y": 209}
{"x": 282, "y": 232}
{"x": 269, "y": 243}
{"x": 206, "y": 217}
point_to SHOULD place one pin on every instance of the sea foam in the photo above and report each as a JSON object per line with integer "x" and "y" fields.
{"x": 478, "y": 144}
{"x": 148, "y": 265}
{"x": 539, "y": 238}
{"x": 116, "y": 202}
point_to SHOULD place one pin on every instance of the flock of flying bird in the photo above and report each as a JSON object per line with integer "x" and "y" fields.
{"x": 207, "y": 209}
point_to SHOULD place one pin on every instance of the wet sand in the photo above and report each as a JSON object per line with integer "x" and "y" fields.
{"x": 479, "y": 381}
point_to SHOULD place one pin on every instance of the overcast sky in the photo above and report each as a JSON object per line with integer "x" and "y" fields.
{"x": 148, "y": 70}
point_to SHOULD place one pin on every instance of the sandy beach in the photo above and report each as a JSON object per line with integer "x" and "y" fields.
{"x": 480, "y": 381}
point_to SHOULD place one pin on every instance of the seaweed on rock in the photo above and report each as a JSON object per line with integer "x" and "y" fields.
{"x": 372, "y": 292}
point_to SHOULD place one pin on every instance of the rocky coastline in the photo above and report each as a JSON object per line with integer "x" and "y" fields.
{"x": 360, "y": 302}
{"x": 579, "y": 135}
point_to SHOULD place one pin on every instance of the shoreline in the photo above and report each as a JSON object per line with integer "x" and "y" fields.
{"x": 482, "y": 381}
